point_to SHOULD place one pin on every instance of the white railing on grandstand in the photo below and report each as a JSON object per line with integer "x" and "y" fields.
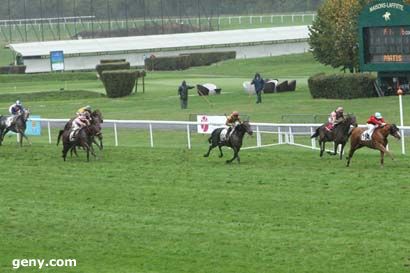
{"x": 286, "y": 132}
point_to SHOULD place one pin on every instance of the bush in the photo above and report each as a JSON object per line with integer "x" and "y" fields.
{"x": 185, "y": 61}
{"x": 168, "y": 63}
{"x": 113, "y": 61}
{"x": 118, "y": 83}
{"x": 13, "y": 69}
{"x": 207, "y": 58}
{"x": 112, "y": 66}
{"x": 342, "y": 86}
{"x": 52, "y": 76}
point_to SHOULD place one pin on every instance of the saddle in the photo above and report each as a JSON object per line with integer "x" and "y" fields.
{"x": 223, "y": 135}
{"x": 365, "y": 136}
{"x": 73, "y": 134}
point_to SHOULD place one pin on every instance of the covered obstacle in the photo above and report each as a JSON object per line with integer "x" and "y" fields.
{"x": 208, "y": 89}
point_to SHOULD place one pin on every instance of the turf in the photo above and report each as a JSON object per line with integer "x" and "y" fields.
{"x": 168, "y": 209}
{"x": 171, "y": 210}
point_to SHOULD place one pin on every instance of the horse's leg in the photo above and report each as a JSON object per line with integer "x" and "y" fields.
{"x": 211, "y": 146}
{"x": 341, "y": 150}
{"x": 235, "y": 155}
{"x": 21, "y": 139}
{"x": 66, "y": 147}
{"x": 322, "y": 147}
{"x": 382, "y": 159}
{"x": 220, "y": 151}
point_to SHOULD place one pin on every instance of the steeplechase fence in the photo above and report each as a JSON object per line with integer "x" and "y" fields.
{"x": 297, "y": 134}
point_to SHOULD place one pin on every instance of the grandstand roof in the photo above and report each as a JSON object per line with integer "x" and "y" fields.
{"x": 165, "y": 41}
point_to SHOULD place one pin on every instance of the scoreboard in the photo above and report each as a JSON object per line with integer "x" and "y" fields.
{"x": 387, "y": 44}
{"x": 384, "y": 36}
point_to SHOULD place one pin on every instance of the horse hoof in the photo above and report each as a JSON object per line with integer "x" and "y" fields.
{"x": 220, "y": 156}
{"x": 228, "y": 161}
{"x": 206, "y": 155}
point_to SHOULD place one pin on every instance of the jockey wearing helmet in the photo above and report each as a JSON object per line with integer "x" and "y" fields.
{"x": 232, "y": 120}
{"x": 374, "y": 122}
{"x": 14, "y": 110}
{"x": 336, "y": 117}
{"x": 85, "y": 111}
{"x": 79, "y": 122}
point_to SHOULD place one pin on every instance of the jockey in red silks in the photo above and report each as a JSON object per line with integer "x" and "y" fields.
{"x": 374, "y": 122}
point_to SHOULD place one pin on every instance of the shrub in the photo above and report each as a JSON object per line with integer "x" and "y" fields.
{"x": 207, "y": 58}
{"x": 118, "y": 83}
{"x": 168, "y": 63}
{"x": 111, "y": 66}
{"x": 113, "y": 61}
{"x": 53, "y": 76}
{"x": 184, "y": 61}
{"x": 13, "y": 69}
{"x": 342, "y": 86}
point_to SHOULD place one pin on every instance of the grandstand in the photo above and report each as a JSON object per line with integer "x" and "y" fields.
{"x": 84, "y": 54}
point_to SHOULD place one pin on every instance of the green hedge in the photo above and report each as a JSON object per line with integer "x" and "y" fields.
{"x": 207, "y": 58}
{"x": 113, "y": 61}
{"x": 342, "y": 86}
{"x": 168, "y": 63}
{"x": 112, "y": 66}
{"x": 13, "y": 69}
{"x": 52, "y": 76}
{"x": 185, "y": 61}
{"x": 118, "y": 83}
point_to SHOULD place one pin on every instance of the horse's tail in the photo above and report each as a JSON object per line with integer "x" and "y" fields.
{"x": 60, "y": 133}
{"x": 316, "y": 134}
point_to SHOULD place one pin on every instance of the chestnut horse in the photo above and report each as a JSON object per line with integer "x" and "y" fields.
{"x": 378, "y": 141}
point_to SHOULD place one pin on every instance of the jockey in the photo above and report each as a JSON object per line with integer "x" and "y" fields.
{"x": 85, "y": 111}
{"x": 374, "y": 122}
{"x": 79, "y": 122}
{"x": 14, "y": 110}
{"x": 231, "y": 121}
{"x": 335, "y": 117}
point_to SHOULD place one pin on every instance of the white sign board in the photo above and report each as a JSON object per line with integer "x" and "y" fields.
{"x": 216, "y": 122}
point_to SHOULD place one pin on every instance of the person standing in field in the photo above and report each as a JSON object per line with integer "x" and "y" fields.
{"x": 183, "y": 94}
{"x": 258, "y": 82}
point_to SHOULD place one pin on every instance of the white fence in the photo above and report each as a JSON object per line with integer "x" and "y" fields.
{"x": 285, "y": 132}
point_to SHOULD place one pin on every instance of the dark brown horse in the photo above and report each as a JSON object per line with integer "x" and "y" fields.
{"x": 96, "y": 119}
{"x": 18, "y": 126}
{"x": 234, "y": 142}
{"x": 83, "y": 139}
{"x": 339, "y": 135}
{"x": 378, "y": 141}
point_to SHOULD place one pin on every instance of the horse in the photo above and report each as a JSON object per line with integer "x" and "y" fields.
{"x": 339, "y": 135}
{"x": 378, "y": 141}
{"x": 18, "y": 126}
{"x": 96, "y": 119}
{"x": 234, "y": 141}
{"x": 83, "y": 139}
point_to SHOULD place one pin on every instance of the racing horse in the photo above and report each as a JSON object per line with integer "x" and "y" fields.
{"x": 17, "y": 126}
{"x": 234, "y": 141}
{"x": 378, "y": 141}
{"x": 96, "y": 119}
{"x": 83, "y": 139}
{"x": 339, "y": 135}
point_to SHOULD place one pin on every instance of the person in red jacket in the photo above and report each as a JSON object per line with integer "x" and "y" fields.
{"x": 374, "y": 122}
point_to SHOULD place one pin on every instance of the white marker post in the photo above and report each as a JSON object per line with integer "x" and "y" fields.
{"x": 400, "y": 94}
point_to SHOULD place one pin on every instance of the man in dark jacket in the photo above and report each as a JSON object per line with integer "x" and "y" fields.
{"x": 183, "y": 94}
{"x": 258, "y": 82}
